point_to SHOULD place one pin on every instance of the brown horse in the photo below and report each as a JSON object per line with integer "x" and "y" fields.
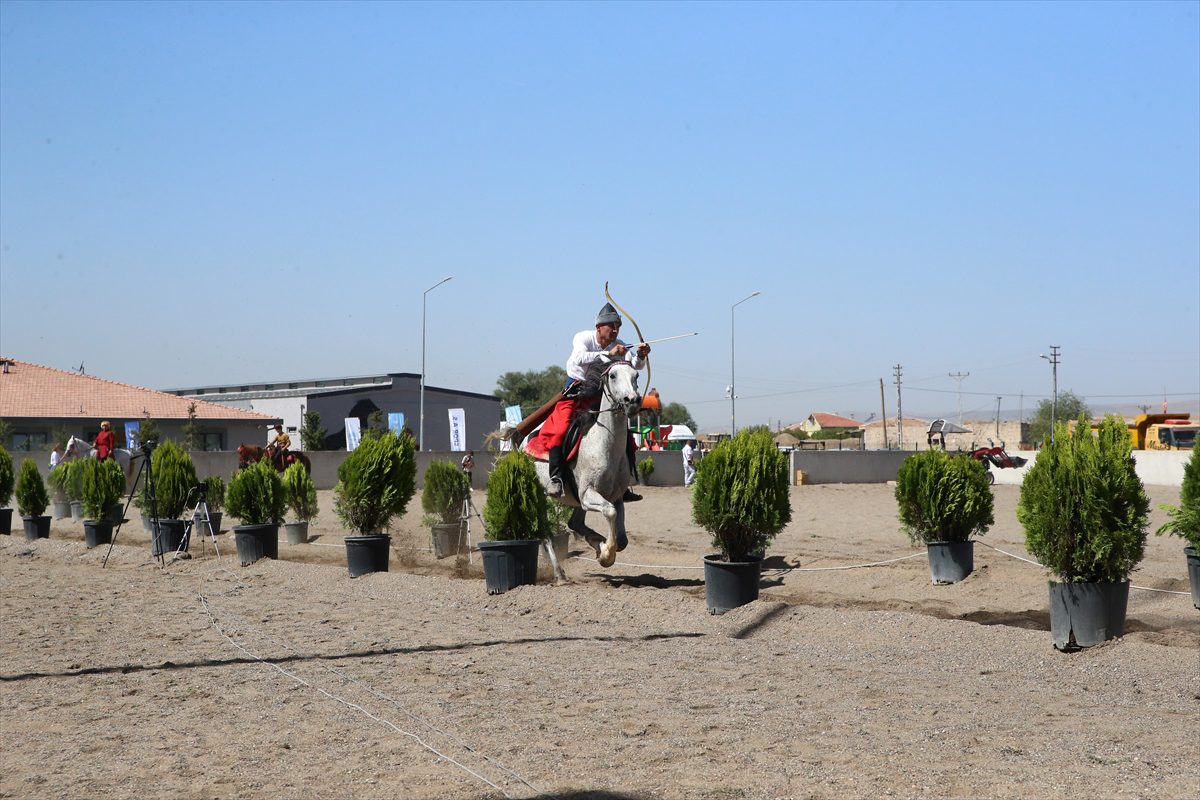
{"x": 249, "y": 454}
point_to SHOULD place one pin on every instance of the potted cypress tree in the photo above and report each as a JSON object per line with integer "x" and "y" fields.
{"x": 301, "y": 496}
{"x": 943, "y": 500}
{"x": 1184, "y": 521}
{"x": 32, "y": 499}
{"x": 174, "y": 488}
{"x": 1084, "y": 511}
{"x": 256, "y": 497}
{"x": 740, "y": 496}
{"x": 73, "y": 486}
{"x": 7, "y": 480}
{"x": 214, "y": 498}
{"x": 514, "y": 521}
{"x": 56, "y": 479}
{"x": 375, "y": 483}
{"x": 442, "y": 495}
{"x": 102, "y": 483}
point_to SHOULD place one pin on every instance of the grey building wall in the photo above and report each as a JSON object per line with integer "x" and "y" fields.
{"x": 483, "y": 412}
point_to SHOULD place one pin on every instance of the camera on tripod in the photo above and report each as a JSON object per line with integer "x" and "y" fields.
{"x": 148, "y": 447}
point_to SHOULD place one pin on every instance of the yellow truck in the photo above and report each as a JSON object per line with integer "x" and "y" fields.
{"x": 1163, "y": 432}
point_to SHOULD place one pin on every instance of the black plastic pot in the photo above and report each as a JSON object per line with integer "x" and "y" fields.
{"x": 96, "y": 532}
{"x": 1193, "y": 562}
{"x": 296, "y": 532}
{"x": 1087, "y": 614}
{"x": 6, "y": 520}
{"x": 170, "y": 538}
{"x": 447, "y": 539}
{"x": 366, "y": 554}
{"x": 36, "y": 527}
{"x": 950, "y": 562}
{"x": 200, "y": 528}
{"x": 61, "y": 509}
{"x": 255, "y": 542}
{"x": 509, "y": 564}
{"x": 77, "y": 510}
{"x": 729, "y": 584}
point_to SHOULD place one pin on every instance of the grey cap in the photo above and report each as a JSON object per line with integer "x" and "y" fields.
{"x": 608, "y": 316}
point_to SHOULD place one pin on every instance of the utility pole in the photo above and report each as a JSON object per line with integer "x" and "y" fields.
{"x": 883, "y": 414}
{"x": 899, "y": 410}
{"x": 997, "y": 418}
{"x": 958, "y": 376}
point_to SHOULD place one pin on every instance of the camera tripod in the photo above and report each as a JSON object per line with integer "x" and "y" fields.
{"x": 468, "y": 509}
{"x": 201, "y": 519}
{"x": 151, "y": 507}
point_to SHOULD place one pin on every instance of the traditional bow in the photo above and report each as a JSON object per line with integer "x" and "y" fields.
{"x": 641, "y": 338}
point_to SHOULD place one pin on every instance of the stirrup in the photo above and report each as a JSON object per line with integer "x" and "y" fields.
{"x": 555, "y": 489}
{"x": 631, "y": 496}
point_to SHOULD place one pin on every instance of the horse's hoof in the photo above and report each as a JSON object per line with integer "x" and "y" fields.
{"x": 622, "y": 541}
{"x": 608, "y": 559}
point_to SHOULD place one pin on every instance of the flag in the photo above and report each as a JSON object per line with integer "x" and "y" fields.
{"x": 458, "y": 430}
{"x": 353, "y": 433}
{"x": 513, "y": 414}
{"x": 396, "y": 422}
{"x": 131, "y": 434}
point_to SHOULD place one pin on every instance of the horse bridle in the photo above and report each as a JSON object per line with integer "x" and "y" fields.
{"x": 607, "y": 393}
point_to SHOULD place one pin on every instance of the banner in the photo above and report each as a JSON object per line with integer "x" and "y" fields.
{"x": 131, "y": 435}
{"x": 512, "y": 414}
{"x": 396, "y": 422}
{"x": 458, "y": 430}
{"x": 353, "y": 433}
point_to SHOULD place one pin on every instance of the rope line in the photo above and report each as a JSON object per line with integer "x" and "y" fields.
{"x": 217, "y": 626}
{"x": 1035, "y": 563}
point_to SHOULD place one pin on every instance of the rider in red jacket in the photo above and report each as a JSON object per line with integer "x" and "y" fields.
{"x": 106, "y": 442}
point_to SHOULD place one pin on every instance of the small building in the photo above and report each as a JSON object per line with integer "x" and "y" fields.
{"x": 821, "y": 421}
{"x": 42, "y": 404}
{"x": 360, "y": 396}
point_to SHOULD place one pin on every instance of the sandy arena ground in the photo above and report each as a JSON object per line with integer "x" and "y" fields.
{"x": 287, "y": 679}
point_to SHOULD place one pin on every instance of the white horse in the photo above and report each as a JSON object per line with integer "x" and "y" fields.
{"x": 596, "y": 479}
{"x": 78, "y": 448}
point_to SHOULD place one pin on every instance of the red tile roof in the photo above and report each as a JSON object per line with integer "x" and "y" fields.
{"x": 834, "y": 421}
{"x": 31, "y": 390}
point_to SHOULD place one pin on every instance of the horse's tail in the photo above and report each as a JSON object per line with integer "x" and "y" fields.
{"x": 507, "y": 432}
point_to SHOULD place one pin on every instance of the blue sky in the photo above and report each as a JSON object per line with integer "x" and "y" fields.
{"x": 949, "y": 187}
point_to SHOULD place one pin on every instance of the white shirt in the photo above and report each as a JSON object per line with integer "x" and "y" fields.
{"x": 585, "y": 349}
{"x": 688, "y": 452}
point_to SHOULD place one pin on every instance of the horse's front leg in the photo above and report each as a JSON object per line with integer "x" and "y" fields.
{"x": 594, "y": 501}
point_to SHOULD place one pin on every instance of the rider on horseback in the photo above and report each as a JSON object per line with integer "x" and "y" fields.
{"x": 278, "y": 447}
{"x": 586, "y": 347}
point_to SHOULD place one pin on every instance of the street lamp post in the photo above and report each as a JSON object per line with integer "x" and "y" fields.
{"x": 733, "y": 370}
{"x": 421, "y": 426}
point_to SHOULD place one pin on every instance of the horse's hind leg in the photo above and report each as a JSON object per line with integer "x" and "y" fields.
{"x": 576, "y": 524}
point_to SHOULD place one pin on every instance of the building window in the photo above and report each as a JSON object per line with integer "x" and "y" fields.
{"x": 212, "y": 441}
{"x": 30, "y": 442}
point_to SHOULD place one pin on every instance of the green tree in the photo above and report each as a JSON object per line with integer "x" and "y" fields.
{"x": 530, "y": 390}
{"x": 1070, "y": 406}
{"x": 677, "y": 414}
{"x": 148, "y": 431}
{"x": 191, "y": 429}
{"x": 6, "y": 430}
{"x": 312, "y": 435}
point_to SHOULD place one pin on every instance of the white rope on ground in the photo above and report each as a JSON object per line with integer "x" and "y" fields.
{"x": 217, "y": 626}
{"x": 1036, "y": 564}
{"x": 372, "y": 690}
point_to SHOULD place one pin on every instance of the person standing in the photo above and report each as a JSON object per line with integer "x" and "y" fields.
{"x": 105, "y": 442}
{"x": 55, "y": 455}
{"x": 689, "y": 462}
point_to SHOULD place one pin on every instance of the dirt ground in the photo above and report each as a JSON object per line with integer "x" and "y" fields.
{"x": 288, "y": 679}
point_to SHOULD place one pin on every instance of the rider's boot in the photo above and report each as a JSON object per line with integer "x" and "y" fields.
{"x": 555, "y": 489}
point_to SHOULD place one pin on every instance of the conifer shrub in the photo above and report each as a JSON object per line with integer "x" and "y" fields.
{"x": 943, "y": 497}
{"x": 516, "y": 502}
{"x": 214, "y": 492}
{"x": 256, "y": 496}
{"x": 32, "y": 497}
{"x": 300, "y": 491}
{"x": 1082, "y": 505}
{"x": 741, "y": 493}
{"x": 1183, "y": 520}
{"x": 645, "y": 469}
{"x": 8, "y": 478}
{"x": 102, "y": 484}
{"x": 445, "y": 486}
{"x": 174, "y": 480}
{"x": 375, "y": 482}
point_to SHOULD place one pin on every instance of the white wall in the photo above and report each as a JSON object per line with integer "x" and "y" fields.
{"x": 1154, "y": 467}
{"x": 287, "y": 409}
